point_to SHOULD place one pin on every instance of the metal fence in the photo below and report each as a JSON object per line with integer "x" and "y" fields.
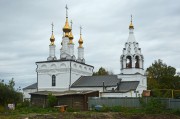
{"x": 130, "y": 102}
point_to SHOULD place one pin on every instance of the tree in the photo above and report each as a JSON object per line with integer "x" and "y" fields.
{"x": 11, "y": 84}
{"x": 8, "y": 94}
{"x": 162, "y": 76}
{"x": 102, "y": 71}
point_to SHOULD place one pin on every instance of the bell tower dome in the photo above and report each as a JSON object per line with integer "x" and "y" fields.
{"x": 132, "y": 60}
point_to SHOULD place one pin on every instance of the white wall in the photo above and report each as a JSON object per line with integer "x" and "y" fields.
{"x": 62, "y": 71}
{"x": 136, "y": 77}
{"x": 27, "y": 91}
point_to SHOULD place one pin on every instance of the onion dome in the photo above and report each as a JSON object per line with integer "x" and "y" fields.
{"x": 71, "y": 37}
{"x": 131, "y": 25}
{"x": 66, "y": 27}
{"x": 80, "y": 39}
{"x": 80, "y": 42}
{"x": 52, "y": 39}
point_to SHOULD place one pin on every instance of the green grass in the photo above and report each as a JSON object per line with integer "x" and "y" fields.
{"x": 23, "y": 112}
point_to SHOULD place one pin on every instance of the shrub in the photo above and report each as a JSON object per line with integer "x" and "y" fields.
{"x": 26, "y": 103}
{"x": 176, "y": 112}
{"x": 117, "y": 109}
{"x": 103, "y": 109}
{"x": 1, "y": 109}
{"x": 69, "y": 109}
{"x": 153, "y": 106}
{"x": 52, "y": 100}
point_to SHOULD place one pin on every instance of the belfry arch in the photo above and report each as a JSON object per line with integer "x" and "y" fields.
{"x": 137, "y": 62}
{"x": 128, "y": 62}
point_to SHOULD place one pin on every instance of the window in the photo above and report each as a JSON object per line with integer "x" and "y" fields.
{"x": 53, "y": 80}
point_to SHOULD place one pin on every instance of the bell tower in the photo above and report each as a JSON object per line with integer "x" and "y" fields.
{"x": 132, "y": 60}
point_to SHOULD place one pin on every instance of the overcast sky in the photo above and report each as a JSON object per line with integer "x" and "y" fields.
{"x": 25, "y": 29}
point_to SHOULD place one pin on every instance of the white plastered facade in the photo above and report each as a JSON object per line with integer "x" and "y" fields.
{"x": 132, "y": 65}
{"x": 66, "y": 73}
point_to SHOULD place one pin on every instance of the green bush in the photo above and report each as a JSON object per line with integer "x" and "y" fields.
{"x": 52, "y": 100}
{"x": 26, "y": 103}
{"x": 176, "y": 112}
{"x": 27, "y": 110}
{"x": 117, "y": 109}
{"x": 104, "y": 109}
{"x": 1, "y": 109}
{"x": 69, "y": 109}
{"x": 153, "y": 106}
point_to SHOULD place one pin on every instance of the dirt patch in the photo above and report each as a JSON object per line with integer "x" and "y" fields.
{"x": 91, "y": 115}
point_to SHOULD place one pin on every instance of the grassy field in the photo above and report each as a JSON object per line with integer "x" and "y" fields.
{"x": 88, "y": 115}
{"x": 105, "y": 113}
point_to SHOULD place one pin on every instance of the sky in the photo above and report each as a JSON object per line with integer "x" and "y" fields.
{"x": 25, "y": 30}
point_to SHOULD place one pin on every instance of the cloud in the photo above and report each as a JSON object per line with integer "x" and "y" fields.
{"x": 25, "y": 31}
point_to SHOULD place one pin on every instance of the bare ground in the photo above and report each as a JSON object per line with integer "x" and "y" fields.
{"x": 87, "y": 115}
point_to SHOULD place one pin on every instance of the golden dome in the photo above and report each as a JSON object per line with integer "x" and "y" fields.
{"x": 80, "y": 42}
{"x": 52, "y": 39}
{"x": 71, "y": 37}
{"x": 66, "y": 28}
{"x": 131, "y": 25}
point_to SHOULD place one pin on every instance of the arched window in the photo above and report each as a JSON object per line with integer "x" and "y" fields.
{"x": 137, "y": 62}
{"x": 128, "y": 62}
{"x": 53, "y": 80}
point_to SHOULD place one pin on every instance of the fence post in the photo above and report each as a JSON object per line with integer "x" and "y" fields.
{"x": 172, "y": 92}
{"x": 169, "y": 103}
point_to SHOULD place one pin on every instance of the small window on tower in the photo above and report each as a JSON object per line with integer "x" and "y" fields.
{"x": 53, "y": 80}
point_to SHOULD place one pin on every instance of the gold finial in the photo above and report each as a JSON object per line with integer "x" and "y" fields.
{"x": 80, "y": 39}
{"x": 71, "y": 35}
{"x": 80, "y": 30}
{"x": 131, "y": 25}
{"x": 52, "y": 26}
{"x": 52, "y": 39}
{"x": 66, "y": 11}
{"x": 66, "y": 27}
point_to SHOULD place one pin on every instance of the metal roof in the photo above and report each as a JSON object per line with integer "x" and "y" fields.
{"x": 32, "y": 86}
{"x": 63, "y": 61}
{"x": 126, "y": 86}
{"x": 61, "y": 93}
{"x": 96, "y": 81}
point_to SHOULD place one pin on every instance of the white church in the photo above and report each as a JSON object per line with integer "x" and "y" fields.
{"x": 70, "y": 72}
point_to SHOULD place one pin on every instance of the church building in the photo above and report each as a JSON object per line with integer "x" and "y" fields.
{"x": 68, "y": 72}
{"x": 131, "y": 82}
{"x": 58, "y": 74}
